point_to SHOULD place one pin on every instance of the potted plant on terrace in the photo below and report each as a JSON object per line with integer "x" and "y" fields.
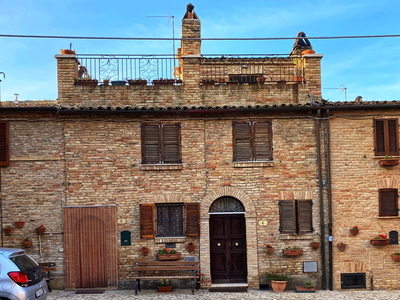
{"x": 292, "y": 251}
{"x": 354, "y": 230}
{"x": 396, "y": 256}
{"x": 168, "y": 254}
{"x": 278, "y": 281}
{"x": 164, "y": 286}
{"x": 138, "y": 81}
{"x": 381, "y": 239}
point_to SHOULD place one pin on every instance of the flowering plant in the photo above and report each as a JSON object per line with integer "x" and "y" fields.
{"x": 355, "y": 227}
{"x": 41, "y": 225}
{"x": 380, "y": 236}
{"x": 166, "y": 251}
{"x": 341, "y": 243}
{"x": 268, "y": 246}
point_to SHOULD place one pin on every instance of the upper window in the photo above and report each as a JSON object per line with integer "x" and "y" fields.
{"x": 386, "y": 137}
{"x": 388, "y": 199}
{"x": 169, "y": 220}
{"x": 161, "y": 144}
{"x": 295, "y": 216}
{"x": 4, "y": 155}
{"x": 252, "y": 141}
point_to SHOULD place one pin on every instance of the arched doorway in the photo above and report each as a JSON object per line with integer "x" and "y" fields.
{"x": 228, "y": 241}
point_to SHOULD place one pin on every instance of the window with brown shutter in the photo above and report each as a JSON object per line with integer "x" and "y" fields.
{"x": 192, "y": 219}
{"x": 386, "y": 137}
{"x": 252, "y": 141}
{"x": 146, "y": 221}
{"x": 169, "y": 220}
{"x": 4, "y": 154}
{"x": 388, "y": 199}
{"x": 295, "y": 216}
{"x": 161, "y": 144}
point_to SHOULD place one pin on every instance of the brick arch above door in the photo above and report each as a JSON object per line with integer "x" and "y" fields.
{"x": 224, "y": 192}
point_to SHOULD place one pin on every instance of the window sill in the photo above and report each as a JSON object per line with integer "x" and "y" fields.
{"x": 389, "y": 217}
{"x": 163, "y": 240}
{"x": 157, "y": 167}
{"x": 253, "y": 164}
{"x": 296, "y": 237}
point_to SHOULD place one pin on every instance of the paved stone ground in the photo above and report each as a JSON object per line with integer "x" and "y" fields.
{"x": 204, "y": 294}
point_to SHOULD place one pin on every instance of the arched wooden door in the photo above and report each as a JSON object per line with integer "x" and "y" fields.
{"x": 90, "y": 246}
{"x": 228, "y": 241}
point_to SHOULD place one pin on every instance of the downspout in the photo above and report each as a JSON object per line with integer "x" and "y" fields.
{"x": 1, "y": 213}
{"x": 329, "y": 195}
{"x": 321, "y": 200}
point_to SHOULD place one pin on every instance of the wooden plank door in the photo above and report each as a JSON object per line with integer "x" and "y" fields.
{"x": 90, "y": 246}
{"x": 228, "y": 248}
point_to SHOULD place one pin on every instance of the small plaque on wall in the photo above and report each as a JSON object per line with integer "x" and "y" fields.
{"x": 310, "y": 266}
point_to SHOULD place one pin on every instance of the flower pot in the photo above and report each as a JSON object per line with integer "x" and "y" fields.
{"x": 278, "y": 286}
{"x": 269, "y": 250}
{"x": 191, "y": 248}
{"x": 342, "y": 246}
{"x": 164, "y": 288}
{"x": 40, "y": 230}
{"x": 145, "y": 251}
{"x": 354, "y": 232}
{"x": 137, "y": 82}
{"x": 314, "y": 245}
{"x": 292, "y": 252}
{"x": 303, "y": 289}
{"x": 19, "y": 224}
{"x": 27, "y": 244}
{"x": 396, "y": 257}
{"x": 389, "y": 162}
{"x": 8, "y": 230}
{"x": 308, "y": 51}
{"x": 298, "y": 78}
{"x": 378, "y": 242}
{"x": 175, "y": 256}
{"x": 67, "y": 51}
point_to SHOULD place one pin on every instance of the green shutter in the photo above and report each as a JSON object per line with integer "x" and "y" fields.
{"x": 146, "y": 221}
{"x": 304, "y": 216}
{"x": 241, "y": 142}
{"x": 287, "y": 216}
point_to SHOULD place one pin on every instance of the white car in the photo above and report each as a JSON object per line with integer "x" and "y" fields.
{"x": 20, "y": 276}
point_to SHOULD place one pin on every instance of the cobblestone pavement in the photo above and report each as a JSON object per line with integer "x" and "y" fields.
{"x": 204, "y": 294}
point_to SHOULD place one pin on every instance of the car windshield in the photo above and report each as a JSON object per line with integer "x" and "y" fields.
{"x": 24, "y": 262}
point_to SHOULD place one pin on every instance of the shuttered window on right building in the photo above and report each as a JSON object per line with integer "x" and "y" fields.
{"x": 388, "y": 199}
{"x": 386, "y": 135}
{"x": 295, "y": 216}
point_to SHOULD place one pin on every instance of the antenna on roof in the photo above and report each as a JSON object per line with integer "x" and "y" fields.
{"x": 169, "y": 17}
{"x": 4, "y": 76}
{"x": 342, "y": 89}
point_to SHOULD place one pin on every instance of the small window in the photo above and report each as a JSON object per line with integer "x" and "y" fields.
{"x": 386, "y": 137}
{"x": 169, "y": 220}
{"x": 353, "y": 280}
{"x": 388, "y": 199}
{"x": 252, "y": 141}
{"x": 295, "y": 216}
{"x": 161, "y": 144}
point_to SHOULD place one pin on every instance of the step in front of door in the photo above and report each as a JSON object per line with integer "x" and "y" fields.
{"x": 229, "y": 287}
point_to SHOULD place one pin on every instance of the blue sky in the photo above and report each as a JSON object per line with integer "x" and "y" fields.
{"x": 368, "y": 67}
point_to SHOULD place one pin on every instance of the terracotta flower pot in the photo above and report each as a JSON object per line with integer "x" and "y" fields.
{"x": 191, "y": 247}
{"x": 278, "y": 286}
{"x": 354, "y": 232}
{"x": 377, "y": 242}
{"x": 164, "y": 288}
{"x": 40, "y": 230}
{"x": 145, "y": 251}
{"x": 175, "y": 256}
{"x": 342, "y": 246}
{"x": 67, "y": 51}
{"x": 314, "y": 245}
{"x": 389, "y": 162}
{"x": 27, "y": 244}
{"x": 396, "y": 257}
{"x": 8, "y": 230}
{"x": 19, "y": 224}
{"x": 292, "y": 252}
{"x": 269, "y": 250}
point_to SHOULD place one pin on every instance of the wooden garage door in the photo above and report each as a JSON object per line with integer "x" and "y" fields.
{"x": 90, "y": 246}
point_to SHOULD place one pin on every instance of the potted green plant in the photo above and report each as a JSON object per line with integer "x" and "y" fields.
{"x": 314, "y": 245}
{"x": 341, "y": 246}
{"x": 168, "y": 254}
{"x": 164, "y": 286}
{"x": 307, "y": 288}
{"x": 19, "y": 224}
{"x": 388, "y": 161}
{"x": 40, "y": 229}
{"x": 8, "y": 230}
{"x": 396, "y": 256}
{"x": 27, "y": 242}
{"x": 106, "y": 81}
{"x": 191, "y": 247}
{"x": 354, "y": 230}
{"x": 145, "y": 251}
{"x": 292, "y": 251}
{"x": 380, "y": 239}
{"x": 278, "y": 281}
{"x": 269, "y": 249}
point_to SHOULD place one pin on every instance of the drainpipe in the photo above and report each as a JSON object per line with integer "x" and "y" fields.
{"x": 329, "y": 195}
{"x": 321, "y": 200}
{"x": 1, "y": 213}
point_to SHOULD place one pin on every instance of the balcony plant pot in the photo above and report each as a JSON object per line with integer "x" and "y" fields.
{"x": 396, "y": 257}
{"x": 292, "y": 252}
{"x": 163, "y": 81}
{"x": 118, "y": 82}
{"x": 8, "y": 230}
{"x": 90, "y": 82}
{"x": 354, "y": 232}
{"x": 389, "y": 162}
{"x": 164, "y": 289}
{"x": 378, "y": 242}
{"x": 19, "y": 224}
{"x": 40, "y": 230}
{"x": 314, "y": 245}
{"x": 175, "y": 256}
{"x": 27, "y": 243}
{"x": 137, "y": 82}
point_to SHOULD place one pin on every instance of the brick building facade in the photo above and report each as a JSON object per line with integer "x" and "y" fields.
{"x": 270, "y": 163}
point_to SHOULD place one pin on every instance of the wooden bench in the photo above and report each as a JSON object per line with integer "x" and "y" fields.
{"x": 46, "y": 268}
{"x": 191, "y": 268}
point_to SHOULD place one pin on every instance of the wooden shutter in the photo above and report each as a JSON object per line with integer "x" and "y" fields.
{"x": 393, "y": 140}
{"x": 241, "y": 142}
{"x": 147, "y": 221}
{"x": 388, "y": 202}
{"x": 287, "y": 216}
{"x": 150, "y": 144}
{"x": 386, "y": 137}
{"x": 4, "y": 154}
{"x": 263, "y": 141}
{"x": 171, "y": 143}
{"x": 304, "y": 216}
{"x": 192, "y": 219}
